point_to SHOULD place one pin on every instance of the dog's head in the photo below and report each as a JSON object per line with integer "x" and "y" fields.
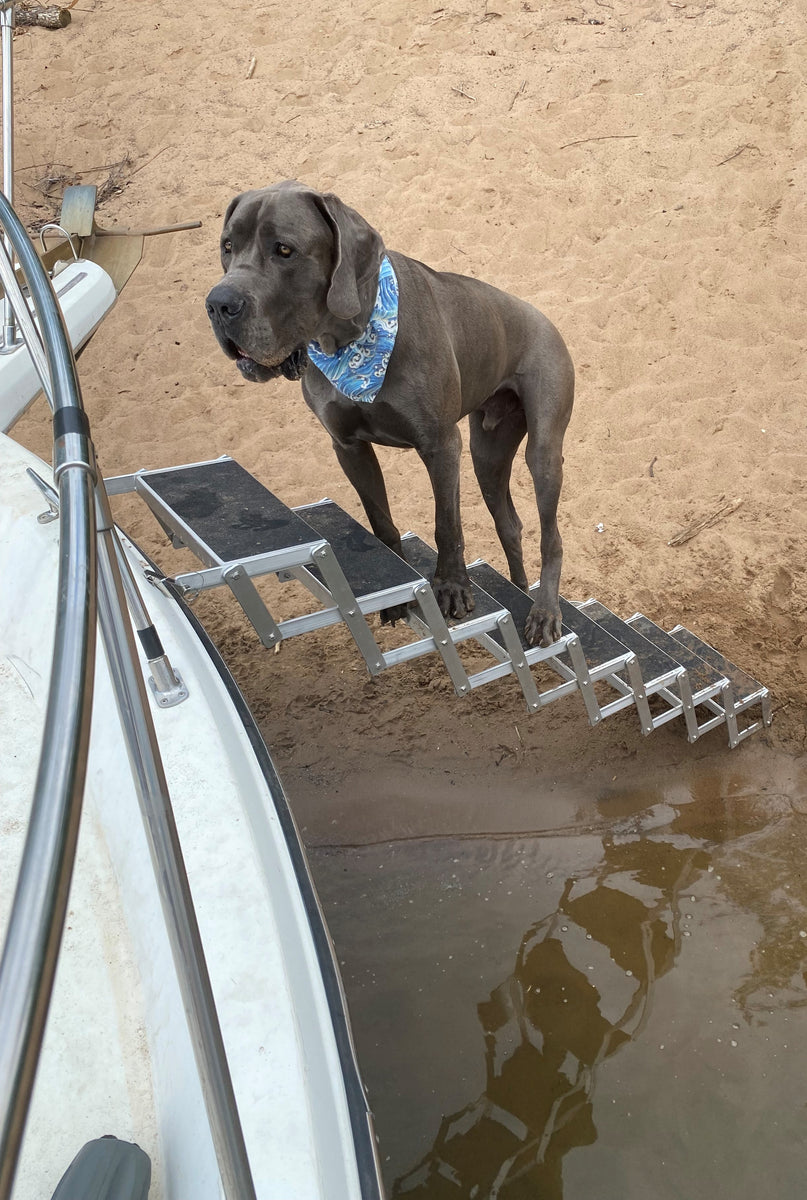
{"x": 298, "y": 266}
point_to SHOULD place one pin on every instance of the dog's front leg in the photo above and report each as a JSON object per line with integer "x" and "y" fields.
{"x": 360, "y": 465}
{"x": 358, "y": 461}
{"x": 451, "y": 584}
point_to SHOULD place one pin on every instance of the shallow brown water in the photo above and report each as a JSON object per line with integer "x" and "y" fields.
{"x": 612, "y": 1006}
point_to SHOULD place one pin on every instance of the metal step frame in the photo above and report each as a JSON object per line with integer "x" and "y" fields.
{"x": 741, "y": 694}
{"x": 239, "y": 531}
{"x": 310, "y": 560}
{"x": 238, "y": 573}
{"x": 489, "y": 617}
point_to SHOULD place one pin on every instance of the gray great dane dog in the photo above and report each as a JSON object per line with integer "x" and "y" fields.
{"x": 301, "y": 267}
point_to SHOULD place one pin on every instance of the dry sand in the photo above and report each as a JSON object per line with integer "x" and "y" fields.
{"x": 636, "y": 170}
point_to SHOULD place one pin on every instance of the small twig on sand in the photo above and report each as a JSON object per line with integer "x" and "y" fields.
{"x": 520, "y": 92}
{"x": 462, "y": 92}
{"x": 650, "y": 468}
{"x": 724, "y": 511}
{"x": 253, "y": 62}
{"x": 148, "y": 160}
{"x": 605, "y": 137}
{"x": 738, "y": 151}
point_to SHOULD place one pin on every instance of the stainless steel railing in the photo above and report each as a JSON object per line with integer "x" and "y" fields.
{"x": 37, "y": 918}
{"x": 8, "y": 331}
{"x": 32, "y": 945}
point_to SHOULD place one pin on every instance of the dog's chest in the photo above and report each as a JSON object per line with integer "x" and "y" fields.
{"x": 348, "y": 421}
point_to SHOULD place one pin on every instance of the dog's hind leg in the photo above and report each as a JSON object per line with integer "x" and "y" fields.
{"x": 545, "y": 460}
{"x": 497, "y": 430}
{"x": 451, "y": 584}
{"x": 546, "y": 466}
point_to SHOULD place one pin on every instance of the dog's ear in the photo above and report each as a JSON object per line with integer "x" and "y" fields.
{"x": 231, "y": 207}
{"x": 358, "y": 250}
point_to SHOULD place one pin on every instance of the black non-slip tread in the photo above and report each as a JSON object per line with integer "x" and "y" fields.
{"x": 229, "y": 510}
{"x": 653, "y": 662}
{"x": 368, "y": 565}
{"x": 701, "y": 674}
{"x": 598, "y": 645}
{"x": 743, "y": 684}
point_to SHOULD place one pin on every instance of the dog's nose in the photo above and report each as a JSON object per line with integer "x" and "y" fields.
{"x": 225, "y": 302}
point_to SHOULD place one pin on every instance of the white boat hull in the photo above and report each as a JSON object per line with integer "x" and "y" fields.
{"x": 117, "y": 1056}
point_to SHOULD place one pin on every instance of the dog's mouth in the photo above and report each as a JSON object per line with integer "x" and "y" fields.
{"x": 291, "y": 367}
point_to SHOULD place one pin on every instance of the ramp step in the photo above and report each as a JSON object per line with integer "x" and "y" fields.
{"x": 228, "y": 509}
{"x": 423, "y": 558}
{"x": 743, "y": 684}
{"x": 368, "y": 565}
{"x": 702, "y": 675}
{"x": 654, "y": 663}
{"x": 599, "y": 647}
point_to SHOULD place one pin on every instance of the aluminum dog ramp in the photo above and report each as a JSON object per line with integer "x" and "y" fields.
{"x": 239, "y": 530}
{"x": 585, "y": 655}
{"x": 739, "y": 694}
{"x": 382, "y": 580}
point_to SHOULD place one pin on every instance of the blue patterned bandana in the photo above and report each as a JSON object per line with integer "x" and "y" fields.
{"x": 358, "y": 369}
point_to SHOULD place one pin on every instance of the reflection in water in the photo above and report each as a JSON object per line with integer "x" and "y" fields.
{"x": 581, "y": 987}
{"x": 583, "y": 980}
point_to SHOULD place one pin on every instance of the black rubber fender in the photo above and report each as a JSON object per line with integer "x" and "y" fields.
{"x": 106, "y": 1169}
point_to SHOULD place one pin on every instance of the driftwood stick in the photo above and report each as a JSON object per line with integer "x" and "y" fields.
{"x": 50, "y": 16}
{"x": 147, "y": 232}
{"x": 685, "y": 535}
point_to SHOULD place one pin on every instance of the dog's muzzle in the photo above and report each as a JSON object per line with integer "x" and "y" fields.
{"x": 292, "y": 367}
{"x": 225, "y": 307}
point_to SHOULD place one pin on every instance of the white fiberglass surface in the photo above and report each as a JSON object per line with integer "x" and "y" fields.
{"x": 117, "y": 1057}
{"x": 93, "y": 1077}
{"x": 85, "y": 293}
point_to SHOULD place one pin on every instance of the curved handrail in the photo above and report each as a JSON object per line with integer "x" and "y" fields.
{"x": 37, "y": 917}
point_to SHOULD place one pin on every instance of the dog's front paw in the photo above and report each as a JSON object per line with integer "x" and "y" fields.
{"x": 455, "y": 598}
{"x": 542, "y": 628}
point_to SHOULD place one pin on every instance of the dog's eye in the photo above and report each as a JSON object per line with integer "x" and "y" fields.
{"x": 227, "y": 246}
{"x": 282, "y": 250}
